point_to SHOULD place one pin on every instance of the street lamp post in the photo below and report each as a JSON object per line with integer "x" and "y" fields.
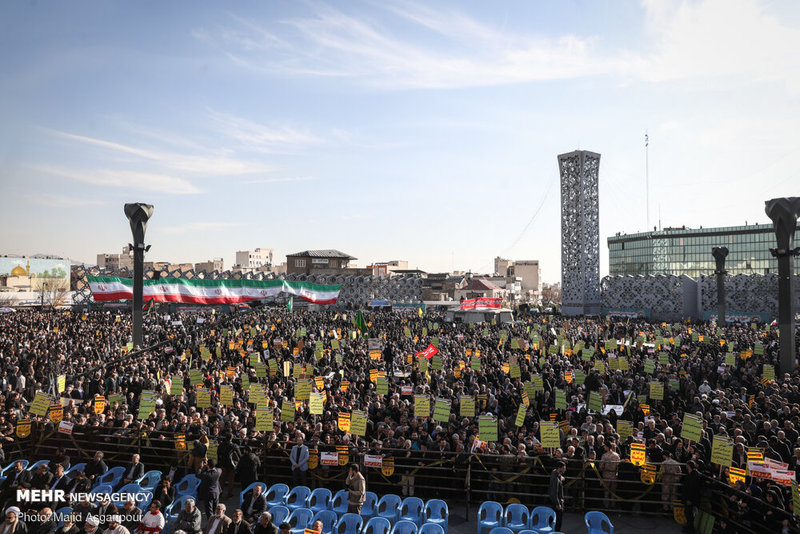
{"x": 720, "y": 253}
{"x": 784, "y": 213}
{"x": 138, "y": 214}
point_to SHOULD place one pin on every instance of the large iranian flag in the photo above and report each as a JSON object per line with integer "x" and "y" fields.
{"x": 105, "y": 288}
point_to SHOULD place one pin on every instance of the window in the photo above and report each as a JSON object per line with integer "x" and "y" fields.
{"x": 299, "y": 263}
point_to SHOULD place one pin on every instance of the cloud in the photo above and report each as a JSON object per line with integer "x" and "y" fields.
{"x": 453, "y": 50}
{"x": 255, "y": 137}
{"x": 197, "y": 227}
{"x": 144, "y": 181}
{"x": 279, "y": 180}
{"x": 62, "y": 201}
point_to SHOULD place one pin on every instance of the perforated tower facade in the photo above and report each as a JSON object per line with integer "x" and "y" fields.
{"x": 580, "y": 233}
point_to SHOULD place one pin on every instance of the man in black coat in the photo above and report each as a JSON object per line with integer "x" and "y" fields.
{"x": 247, "y": 471}
{"x": 254, "y": 504}
{"x": 692, "y": 492}
{"x": 41, "y": 478}
{"x": 79, "y": 484}
{"x": 228, "y": 455}
{"x": 47, "y": 523}
{"x": 208, "y": 490}
{"x": 556, "y": 492}
{"x": 95, "y": 467}
{"x": 18, "y": 478}
{"x": 133, "y": 471}
{"x": 238, "y": 525}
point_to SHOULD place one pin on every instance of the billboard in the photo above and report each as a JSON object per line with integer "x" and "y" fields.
{"x": 34, "y": 274}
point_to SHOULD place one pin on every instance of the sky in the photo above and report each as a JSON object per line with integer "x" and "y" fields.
{"x": 421, "y": 131}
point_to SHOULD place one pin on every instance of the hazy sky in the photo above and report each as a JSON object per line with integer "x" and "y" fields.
{"x": 389, "y": 130}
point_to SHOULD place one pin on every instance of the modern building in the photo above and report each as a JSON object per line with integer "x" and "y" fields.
{"x": 328, "y": 261}
{"x": 211, "y": 265}
{"x": 480, "y": 289}
{"x": 525, "y": 273}
{"x": 254, "y": 259}
{"x": 580, "y": 233}
{"x": 116, "y": 261}
{"x": 687, "y": 251}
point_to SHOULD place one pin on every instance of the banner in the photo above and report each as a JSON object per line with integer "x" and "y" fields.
{"x": 721, "y": 451}
{"x": 692, "y": 427}
{"x": 24, "y": 428}
{"x": 637, "y": 453}
{"x": 373, "y": 460}
{"x": 106, "y": 288}
{"x": 482, "y": 304}
{"x": 428, "y": 353}
{"x": 329, "y": 458}
{"x": 548, "y": 435}
{"x": 388, "y": 466}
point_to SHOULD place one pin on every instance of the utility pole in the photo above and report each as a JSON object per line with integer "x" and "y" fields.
{"x": 647, "y": 177}
{"x": 138, "y": 214}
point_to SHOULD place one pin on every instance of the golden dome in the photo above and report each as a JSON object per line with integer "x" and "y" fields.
{"x": 18, "y": 271}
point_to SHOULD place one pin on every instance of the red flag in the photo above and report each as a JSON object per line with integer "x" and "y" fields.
{"x": 429, "y": 352}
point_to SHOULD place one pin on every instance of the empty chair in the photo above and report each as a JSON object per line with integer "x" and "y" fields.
{"x": 516, "y": 517}
{"x": 249, "y": 488}
{"x": 430, "y": 528}
{"x": 33, "y": 466}
{"x": 349, "y": 524}
{"x": 389, "y": 507}
{"x": 436, "y": 512}
{"x": 377, "y": 525}
{"x": 279, "y": 514}
{"x": 328, "y": 519}
{"x": 276, "y": 495}
{"x": 297, "y": 497}
{"x": 528, "y": 531}
{"x": 490, "y": 515}
{"x": 149, "y": 480}
{"x": 370, "y": 505}
{"x": 103, "y": 488}
{"x": 411, "y": 509}
{"x": 339, "y": 502}
{"x": 404, "y": 527}
{"x": 543, "y": 520}
{"x": 133, "y": 487}
{"x": 500, "y": 530}
{"x": 300, "y": 519}
{"x": 187, "y": 485}
{"x": 594, "y": 523}
{"x": 319, "y": 500}
{"x": 111, "y": 477}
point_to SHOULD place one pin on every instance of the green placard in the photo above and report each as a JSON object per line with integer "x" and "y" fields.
{"x": 195, "y": 377}
{"x": 264, "y": 421}
{"x": 587, "y": 354}
{"x": 624, "y": 429}
{"x": 520, "y": 420}
{"x": 203, "y": 398}
{"x": 758, "y": 349}
{"x": 382, "y": 386}
{"x": 423, "y": 365}
{"x": 730, "y": 359}
{"x": 475, "y": 363}
{"x": 663, "y": 358}
{"x": 467, "y": 406}
{"x": 435, "y": 342}
{"x": 40, "y": 404}
{"x": 649, "y": 367}
{"x": 422, "y": 406}
{"x": 513, "y": 370}
{"x": 561, "y": 399}
{"x": 595, "y": 402}
{"x": 226, "y": 395}
{"x": 692, "y": 427}
{"x": 487, "y": 428}
{"x": 436, "y": 363}
{"x": 335, "y": 344}
{"x": 580, "y": 377}
{"x": 303, "y": 389}
{"x": 538, "y": 383}
{"x": 623, "y": 363}
{"x": 769, "y": 372}
{"x": 721, "y": 451}
{"x": 287, "y": 411}
{"x": 656, "y": 390}
{"x": 358, "y": 423}
{"x": 441, "y": 410}
{"x": 316, "y": 406}
{"x": 548, "y": 435}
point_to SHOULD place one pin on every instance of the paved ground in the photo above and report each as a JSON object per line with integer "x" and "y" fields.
{"x": 573, "y": 522}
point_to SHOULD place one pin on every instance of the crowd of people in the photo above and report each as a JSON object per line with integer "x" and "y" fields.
{"x": 556, "y": 367}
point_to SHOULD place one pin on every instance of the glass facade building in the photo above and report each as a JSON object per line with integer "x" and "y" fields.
{"x": 687, "y": 251}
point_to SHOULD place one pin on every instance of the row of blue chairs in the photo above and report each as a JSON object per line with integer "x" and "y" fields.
{"x": 302, "y": 518}
{"x": 517, "y": 519}
{"x": 390, "y": 507}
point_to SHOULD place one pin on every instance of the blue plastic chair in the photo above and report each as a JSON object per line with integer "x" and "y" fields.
{"x": 319, "y": 500}
{"x": 490, "y": 515}
{"x": 72, "y": 471}
{"x": 187, "y": 486}
{"x": 249, "y": 489}
{"x": 111, "y": 477}
{"x": 389, "y": 507}
{"x": 543, "y": 520}
{"x": 594, "y": 523}
{"x": 430, "y": 528}
{"x": 33, "y": 466}
{"x": 149, "y": 480}
{"x": 528, "y": 531}
{"x": 370, "y": 505}
{"x": 377, "y": 525}
{"x": 437, "y": 513}
{"x": 172, "y": 511}
{"x": 339, "y": 502}
{"x": 276, "y": 495}
{"x": 352, "y": 524}
{"x": 412, "y": 509}
{"x": 297, "y": 498}
{"x": 328, "y": 519}
{"x": 133, "y": 487}
{"x": 404, "y": 527}
{"x": 279, "y": 514}
{"x": 62, "y": 512}
{"x": 500, "y": 530}
{"x": 300, "y": 519}
{"x": 516, "y": 517}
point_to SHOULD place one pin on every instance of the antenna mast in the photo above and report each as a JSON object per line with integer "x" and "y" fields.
{"x": 647, "y": 177}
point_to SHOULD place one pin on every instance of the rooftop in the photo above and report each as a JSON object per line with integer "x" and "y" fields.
{"x": 323, "y": 253}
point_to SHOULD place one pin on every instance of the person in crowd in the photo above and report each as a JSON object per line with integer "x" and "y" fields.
{"x": 208, "y": 490}
{"x": 165, "y": 492}
{"x": 356, "y": 489}
{"x": 115, "y": 526}
{"x": 218, "y": 523}
{"x": 264, "y": 525}
{"x": 299, "y": 459}
{"x": 556, "y": 492}
{"x": 90, "y": 525}
{"x": 131, "y": 515}
{"x": 238, "y": 525}
{"x": 95, "y": 467}
{"x": 153, "y": 521}
{"x": 19, "y": 478}
{"x": 133, "y": 471}
{"x": 189, "y": 518}
{"x": 254, "y": 504}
